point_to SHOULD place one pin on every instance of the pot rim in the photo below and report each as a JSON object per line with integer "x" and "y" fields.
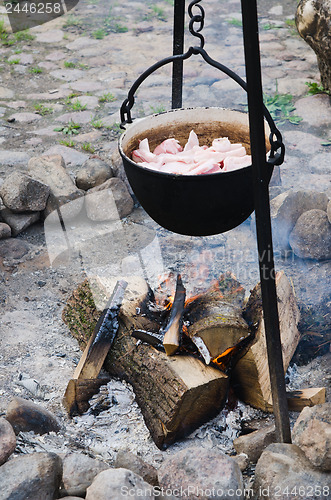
{"x": 168, "y": 175}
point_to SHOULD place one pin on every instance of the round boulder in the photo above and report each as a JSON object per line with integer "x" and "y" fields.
{"x": 7, "y": 440}
{"x": 22, "y": 193}
{"x": 311, "y": 236}
{"x": 202, "y": 474}
{"x": 312, "y": 433}
{"x": 93, "y": 173}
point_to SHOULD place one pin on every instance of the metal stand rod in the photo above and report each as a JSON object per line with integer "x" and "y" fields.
{"x": 178, "y": 48}
{"x": 263, "y": 222}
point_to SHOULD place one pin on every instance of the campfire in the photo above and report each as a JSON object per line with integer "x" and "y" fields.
{"x": 182, "y": 353}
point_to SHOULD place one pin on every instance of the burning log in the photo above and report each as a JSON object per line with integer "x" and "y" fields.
{"x": 176, "y": 394}
{"x": 251, "y": 374}
{"x": 215, "y": 318}
{"x": 173, "y": 329}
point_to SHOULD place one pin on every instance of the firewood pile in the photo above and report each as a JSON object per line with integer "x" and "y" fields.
{"x": 180, "y": 353}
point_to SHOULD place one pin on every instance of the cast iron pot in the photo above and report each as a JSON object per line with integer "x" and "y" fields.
{"x": 196, "y": 205}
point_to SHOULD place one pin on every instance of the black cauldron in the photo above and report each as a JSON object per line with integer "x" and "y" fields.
{"x": 195, "y": 205}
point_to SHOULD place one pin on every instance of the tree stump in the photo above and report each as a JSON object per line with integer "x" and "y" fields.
{"x": 313, "y": 20}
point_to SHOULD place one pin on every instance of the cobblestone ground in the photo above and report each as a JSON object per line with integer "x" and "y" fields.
{"x": 78, "y": 68}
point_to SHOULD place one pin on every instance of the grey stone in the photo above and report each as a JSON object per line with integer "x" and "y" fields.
{"x": 47, "y": 65}
{"x": 6, "y": 93}
{"x": 78, "y": 473}
{"x": 70, "y": 156}
{"x": 112, "y": 483}
{"x": 211, "y": 471}
{"x": 242, "y": 460}
{"x": 90, "y": 137}
{"x": 16, "y": 104}
{"x": 116, "y": 161}
{"x": 13, "y": 249}
{"x": 67, "y": 74}
{"x": 5, "y": 231}
{"x": 54, "y": 96}
{"x": 302, "y": 142}
{"x": 79, "y": 117}
{"x": 24, "y": 58}
{"x": 51, "y": 169}
{"x": 90, "y": 101}
{"x": 311, "y": 236}
{"x": 277, "y": 10}
{"x": 86, "y": 85}
{"x": 35, "y": 475}
{"x": 24, "y": 117}
{"x": 57, "y": 55}
{"x": 7, "y": 440}
{"x": 254, "y": 443}
{"x": 45, "y": 131}
{"x": 25, "y": 416}
{"x": 328, "y": 211}
{"x": 314, "y": 110}
{"x": 12, "y": 158}
{"x": 73, "y": 498}
{"x": 127, "y": 460}
{"x": 287, "y": 208}
{"x": 81, "y": 43}
{"x": 312, "y": 433}
{"x": 320, "y": 163}
{"x": 22, "y": 193}
{"x": 18, "y": 222}
{"x": 93, "y": 173}
{"x": 109, "y": 201}
{"x": 50, "y": 36}
{"x": 284, "y": 468}
{"x": 293, "y": 86}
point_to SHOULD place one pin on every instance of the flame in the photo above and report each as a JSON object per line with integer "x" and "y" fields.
{"x": 221, "y": 361}
{"x": 164, "y": 297}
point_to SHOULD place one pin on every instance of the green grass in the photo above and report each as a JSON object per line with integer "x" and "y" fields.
{"x": 36, "y": 70}
{"x": 235, "y": 22}
{"x": 112, "y": 24}
{"x": 87, "y": 146}
{"x": 97, "y": 123}
{"x": 77, "y": 105}
{"x": 108, "y": 97}
{"x": 15, "y": 61}
{"x": 157, "y": 109}
{"x": 71, "y": 96}
{"x": 23, "y": 36}
{"x": 115, "y": 129}
{"x": 72, "y": 21}
{"x": 69, "y": 64}
{"x": 156, "y": 12}
{"x": 99, "y": 34}
{"x": 315, "y": 88}
{"x": 69, "y": 129}
{"x": 67, "y": 142}
{"x": 290, "y": 23}
{"x": 43, "y": 110}
{"x": 269, "y": 26}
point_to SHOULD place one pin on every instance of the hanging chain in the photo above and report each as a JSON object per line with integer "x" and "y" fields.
{"x": 197, "y": 18}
